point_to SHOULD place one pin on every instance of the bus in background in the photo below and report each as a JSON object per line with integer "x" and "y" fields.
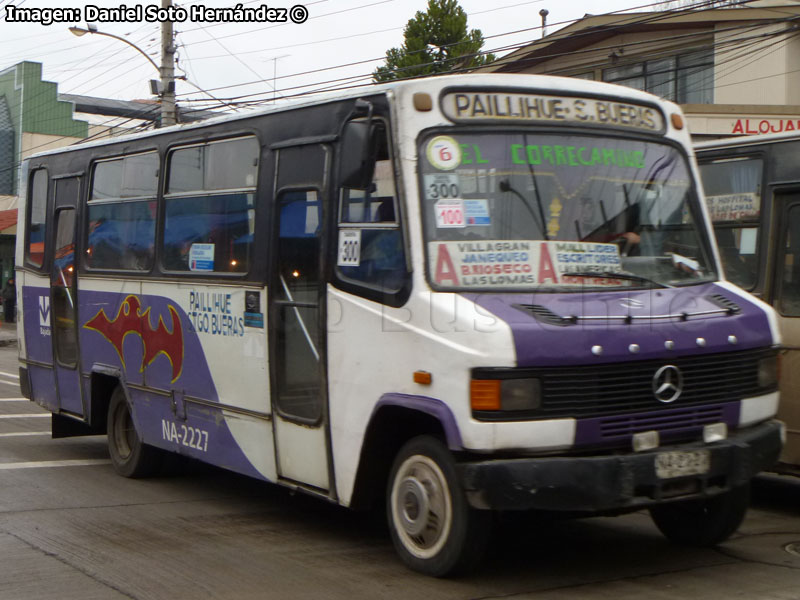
{"x": 752, "y": 187}
{"x": 454, "y": 296}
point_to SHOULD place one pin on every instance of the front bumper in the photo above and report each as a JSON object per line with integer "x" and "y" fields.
{"x": 620, "y": 482}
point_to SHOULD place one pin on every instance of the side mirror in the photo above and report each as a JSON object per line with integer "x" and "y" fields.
{"x": 357, "y": 154}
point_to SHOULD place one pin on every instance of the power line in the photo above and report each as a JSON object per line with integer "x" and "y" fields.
{"x": 248, "y": 67}
{"x": 516, "y": 46}
{"x": 97, "y": 135}
{"x": 351, "y": 79}
{"x": 366, "y": 33}
{"x": 550, "y": 56}
{"x": 261, "y": 29}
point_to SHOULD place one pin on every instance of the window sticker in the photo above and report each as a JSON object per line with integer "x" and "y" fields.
{"x": 349, "y": 248}
{"x": 253, "y": 317}
{"x": 442, "y": 186}
{"x": 443, "y": 153}
{"x": 733, "y": 207}
{"x": 476, "y": 212}
{"x": 449, "y": 213}
{"x": 748, "y": 240}
{"x": 521, "y": 263}
{"x": 201, "y": 257}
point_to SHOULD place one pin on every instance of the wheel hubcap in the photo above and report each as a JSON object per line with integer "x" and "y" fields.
{"x": 414, "y": 513}
{"x": 422, "y": 508}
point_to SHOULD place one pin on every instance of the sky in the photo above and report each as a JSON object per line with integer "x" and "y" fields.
{"x": 261, "y": 60}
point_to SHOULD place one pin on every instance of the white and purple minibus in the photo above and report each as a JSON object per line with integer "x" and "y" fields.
{"x": 457, "y": 296}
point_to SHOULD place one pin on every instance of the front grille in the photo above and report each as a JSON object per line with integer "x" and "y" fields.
{"x": 584, "y": 392}
{"x": 672, "y": 424}
{"x": 628, "y": 387}
{"x": 664, "y": 422}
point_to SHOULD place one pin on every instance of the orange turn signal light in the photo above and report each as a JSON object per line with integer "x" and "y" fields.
{"x": 423, "y": 377}
{"x": 677, "y": 121}
{"x": 484, "y": 394}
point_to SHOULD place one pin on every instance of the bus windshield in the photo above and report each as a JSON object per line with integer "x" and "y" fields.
{"x": 558, "y": 212}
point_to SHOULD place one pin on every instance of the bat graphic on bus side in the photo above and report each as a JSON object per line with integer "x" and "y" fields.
{"x": 130, "y": 319}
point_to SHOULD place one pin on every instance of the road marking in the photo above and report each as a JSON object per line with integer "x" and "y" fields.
{"x": 12, "y": 375}
{"x": 46, "y": 464}
{"x": 14, "y": 400}
{"x": 23, "y": 433}
{"x": 14, "y": 383}
{"x": 26, "y": 416}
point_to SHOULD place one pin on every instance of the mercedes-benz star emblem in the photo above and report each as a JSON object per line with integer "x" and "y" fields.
{"x": 667, "y": 384}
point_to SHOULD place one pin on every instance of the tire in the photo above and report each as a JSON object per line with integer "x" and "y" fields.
{"x": 705, "y": 522}
{"x": 129, "y": 455}
{"x": 433, "y": 528}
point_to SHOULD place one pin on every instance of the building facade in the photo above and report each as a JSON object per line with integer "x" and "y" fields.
{"x": 734, "y": 71}
{"x": 35, "y": 117}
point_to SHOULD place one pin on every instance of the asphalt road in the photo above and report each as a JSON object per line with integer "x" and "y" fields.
{"x": 71, "y": 529}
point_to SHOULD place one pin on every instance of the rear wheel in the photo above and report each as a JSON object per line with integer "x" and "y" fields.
{"x": 705, "y": 522}
{"x": 129, "y": 455}
{"x": 433, "y": 528}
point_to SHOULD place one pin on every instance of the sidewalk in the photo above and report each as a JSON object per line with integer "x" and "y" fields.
{"x": 8, "y": 333}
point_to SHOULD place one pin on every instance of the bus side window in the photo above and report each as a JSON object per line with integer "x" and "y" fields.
{"x": 733, "y": 196}
{"x": 789, "y": 295}
{"x": 371, "y": 252}
{"x": 37, "y": 218}
{"x": 122, "y": 213}
{"x": 300, "y": 220}
{"x": 209, "y": 216}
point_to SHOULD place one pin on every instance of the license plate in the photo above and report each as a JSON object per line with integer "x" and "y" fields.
{"x": 681, "y": 463}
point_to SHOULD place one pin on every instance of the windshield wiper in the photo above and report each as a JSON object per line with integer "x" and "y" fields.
{"x": 505, "y": 186}
{"x": 614, "y": 275}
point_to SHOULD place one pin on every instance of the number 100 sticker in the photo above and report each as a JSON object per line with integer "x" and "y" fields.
{"x": 449, "y": 213}
{"x": 349, "y": 248}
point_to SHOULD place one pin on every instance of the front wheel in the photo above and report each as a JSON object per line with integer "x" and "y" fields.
{"x": 705, "y": 522}
{"x": 433, "y": 528}
{"x": 129, "y": 455}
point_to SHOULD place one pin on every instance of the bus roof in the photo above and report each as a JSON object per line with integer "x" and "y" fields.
{"x": 433, "y": 85}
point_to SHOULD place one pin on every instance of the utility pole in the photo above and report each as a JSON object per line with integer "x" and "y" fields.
{"x": 168, "y": 110}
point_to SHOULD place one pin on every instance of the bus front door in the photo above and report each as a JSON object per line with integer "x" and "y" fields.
{"x": 63, "y": 298}
{"x": 296, "y": 315}
{"x": 787, "y": 303}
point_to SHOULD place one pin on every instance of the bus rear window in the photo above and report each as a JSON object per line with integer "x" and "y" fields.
{"x": 37, "y": 217}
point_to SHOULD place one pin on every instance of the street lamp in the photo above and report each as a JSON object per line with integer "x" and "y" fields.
{"x": 167, "y": 80}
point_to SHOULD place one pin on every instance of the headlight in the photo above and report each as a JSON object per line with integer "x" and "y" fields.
{"x": 768, "y": 371}
{"x": 505, "y": 394}
{"x": 520, "y": 394}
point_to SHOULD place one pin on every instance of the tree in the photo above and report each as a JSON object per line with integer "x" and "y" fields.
{"x": 436, "y": 41}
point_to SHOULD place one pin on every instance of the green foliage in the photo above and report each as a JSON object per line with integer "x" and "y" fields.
{"x": 436, "y": 41}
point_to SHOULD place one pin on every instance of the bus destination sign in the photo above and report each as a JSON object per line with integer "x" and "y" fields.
{"x": 462, "y": 107}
